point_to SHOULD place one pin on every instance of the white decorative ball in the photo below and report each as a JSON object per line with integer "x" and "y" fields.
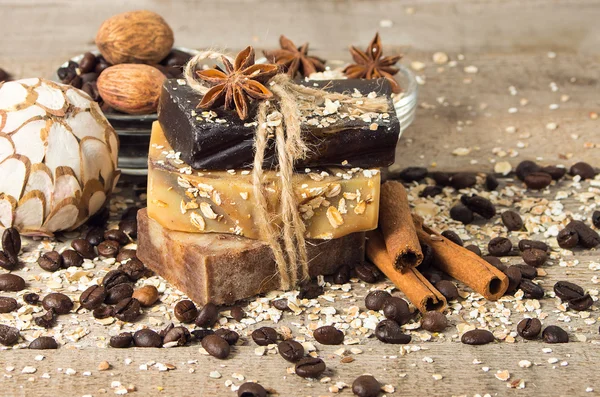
{"x": 58, "y": 157}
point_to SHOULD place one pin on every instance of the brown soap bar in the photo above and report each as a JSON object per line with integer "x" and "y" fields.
{"x": 224, "y": 268}
{"x": 218, "y": 139}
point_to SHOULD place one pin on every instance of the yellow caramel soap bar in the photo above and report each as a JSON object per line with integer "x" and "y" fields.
{"x": 332, "y": 202}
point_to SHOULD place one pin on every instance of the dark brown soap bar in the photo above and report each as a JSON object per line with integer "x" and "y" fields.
{"x": 223, "y": 141}
{"x": 224, "y": 268}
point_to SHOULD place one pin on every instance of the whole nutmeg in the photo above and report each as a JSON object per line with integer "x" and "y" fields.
{"x": 135, "y": 37}
{"x": 131, "y": 88}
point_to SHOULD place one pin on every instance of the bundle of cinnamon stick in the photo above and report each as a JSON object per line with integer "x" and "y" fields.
{"x": 395, "y": 248}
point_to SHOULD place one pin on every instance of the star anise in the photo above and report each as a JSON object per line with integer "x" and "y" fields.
{"x": 238, "y": 84}
{"x": 370, "y": 64}
{"x": 295, "y": 59}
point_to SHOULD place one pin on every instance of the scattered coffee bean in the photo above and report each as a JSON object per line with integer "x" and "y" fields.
{"x": 310, "y": 290}
{"x": 388, "y": 331}
{"x": 582, "y": 169}
{"x": 92, "y": 297}
{"x": 310, "y": 367}
{"x": 474, "y": 249}
{"x": 463, "y": 180}
{"x": 229, "y": 335}
{"x": 496, "y": 262}
{"x": 396, "y": 309}
{"x": 431, "y": 191}
{"x": 427, "y": 256}
{"x": 116, "y": 235}
{"x": 95, "y": 236}
{"x": 31, "y": 298}
{"x": 208, "y": 316}
{"x": 491, "y": 182}
{"x": 11, "y": 282}
{"x": 567, "y": 238}
{"x": 6, "y": 262}
{"x": 147, "y": 338}
{"x": 87, "y": 63}
{"x": 512, "y": 220}
{"x": 596, "y": 219}
{"x": 525, "y": 168}
{"x": 291, "y": 350}
{"x": 448, "y": 289}
{"x": 265, "y": 336}
{"x": 71, "y": 258}
{"x": 477, "y": 337}
{"x": 582, "y": 303}
{"x": 130, "y": 213}
{"x": 61, "y": 303}
{"x": 479, "y": 205}
{"x": 216, "y": 346}
{"x": 538, "y": 180}
{"x": 531, "y": 290}
{"x": 527, "y": 244}
{"x": 413, "y": 174}
{"x": 179, "y": 335}
{"x": 237, "y": 313}
{"x": 129, "y": 227}
{"x": 529, "y": 328}
{"x": 108, "y": 248}
{"x": 461, "y": 213}
{"x": 126, "y": 254}
{"x": 47, "y": 320}
{"x": 50, "y": 261}
{"x": 374, "y": 299}
{"x": 527, "y": 271}
{"x": 566, "y": 290}
{"x": 121, "y": 341}
{"x": 114, "y": 277}
{"x": 434, "y": 322}
{"x": 103, "y": 311}
{"x": 588, "y": 237}
{"x": 555, "y": 334}
{"x": 8, "y": 304}
{"x": 133, "y": 268}
{"x": 84, "y": 248}
{"x": 127, "y": 310}
{"x": 499, "y": 246}
{"x": 146, "y": 295}
{"x": 441, "y": 178}
{"x": 555, "y": 172}
{"x": 280, "y": 304}
{"x": 100, "y": 218}
{"x": 200, "y": 334}
{"x": 43, "y": 343}
{"x": 8, "y": 335}
{"x": 453, "y": 236}
{"x": 251, "y": 389}
{"x": 119, "y": 292}
{"x": 342, "y": 275}
{"x": 328, "y": 335}
{"x": 433, "y": 276}
{"x": 368, "y": 272}
{"x": 514, "y": 279}
{"x": 534, "y": 257}
{"x": 11, "y": 243}
{"x": 366, "y": 386}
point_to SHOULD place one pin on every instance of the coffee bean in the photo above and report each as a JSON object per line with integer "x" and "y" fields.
{"x": 103, "y": 311}
{"x": 147, "y": 338}
{"x": 265, "y": 336}
{"x": 427, "y": 256}
{"x": 208, "y": 316}
{"x": 216, "y": 346}
{"x": 514, "y": 279}
{"x": 525, "y": 168}
{"x": 129, "y": 227}
{"x": 180, "y": 335}
{"x": 567, "y": 238}
{"x": 474, "y": 249}
{"x": 121, "y": 341}
{"x": 582, "y": 303}
{"x": 127, "y": 310}
{"x": 6, "y": 262}
{"x": 4, "y": 76}
{"x": 84, "y": 248}
{"x": 588, "y": 237}
{"x": 95, "y": 236}
{"x": 448, "y": 289}
{"x": 11, "y": 243}
{"x": 43, "y": 343}
{"x": 496, "y": 262}
{"x": 290, "y": 350}
{"x": 566, "y": 290}
{"x": 50, "y": 261}
{"x": 229, "y": 335}
{"x": 11, "y": 282}
{"x": 92, "y": 297}
{"x": 108, "y": 248}
{"x": 7, "y": 304}
{"x": 133, "y": 268}
{"x": 342, "y": 275}
{"x": 47, "y": 320}
{"x": 433, "y": 276}
{"x": 310, "y": 367}
{"x": 328, "y": 335}
{"x": 100, "y": 218}
{"x": 101, "y": 64}
{"x": 368, "y": 272}
{"x": 431, "y": 191}
{"x": 555, "y": 334}
{"x": 375, "y": 299}
{"x": 71, "y": 258}
{"x": 491, "y": 182}
{"x": 119, "y": 292}
{"x": 126, "y": 254}
{"x": 251, "y": 389}
{"x": 280, "y": 304}
{"x": 146, "y": 295}
{"x": 114, "y": 277}
{"x": 531, "y": 290}
{"x": 527, "y": 271}
{"x": 555, "y": 172}
{"x": 8, "y": 335}
{"x": 237, "y": 313}
{"x": 584, "y": 170}
{"x": 534, "y": 257}
{"x": 310, "y": 290}
{"x": 512, "y": 220}
{"x": 200, "y": 334}
{"x": 441, "y": 178}
{"x": 116, "y": 235}
{"x": 413, "y": 174}
{"x": 396, "y": 309}
{"x": 529, "y": 328}
{"x": 527, "y": 244}
{"x": 596, "y": 219}
{"x": 538, "y": 180}
{"x": 130, "y": 213}
{"x": 89, "y": 79}
{"x": 366, "y": 386}
{"x": 61, "y": 303}
{"x": 31, "y": 298}
{"x": 499, "y": 246}
{"x": 463, "y": 180}
{"x": 87, "y": 63}
{"x": 461, "y": 213}
{"x": 453, "y": 236}
{"x": 479, "y": 205}
{"x": 388, "y": 331}
{"x": 434, "y": 322}
{"x": 477, "y": 337}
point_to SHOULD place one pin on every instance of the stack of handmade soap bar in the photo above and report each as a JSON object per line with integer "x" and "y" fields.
{"x": 199, "y": 230}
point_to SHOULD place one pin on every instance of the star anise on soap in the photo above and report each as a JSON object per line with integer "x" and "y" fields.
{"x": 295, "y": 59}
{"x": 371, "y": 64}
{"x": 238, "y": 84}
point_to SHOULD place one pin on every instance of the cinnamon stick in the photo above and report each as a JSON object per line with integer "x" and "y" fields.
{"x": 463, "y": 264}
{"x": 395, "y": 222}
{"x": 411, "y": 282}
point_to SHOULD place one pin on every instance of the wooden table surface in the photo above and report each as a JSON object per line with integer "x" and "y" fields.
{"x": 538, "y": 65}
